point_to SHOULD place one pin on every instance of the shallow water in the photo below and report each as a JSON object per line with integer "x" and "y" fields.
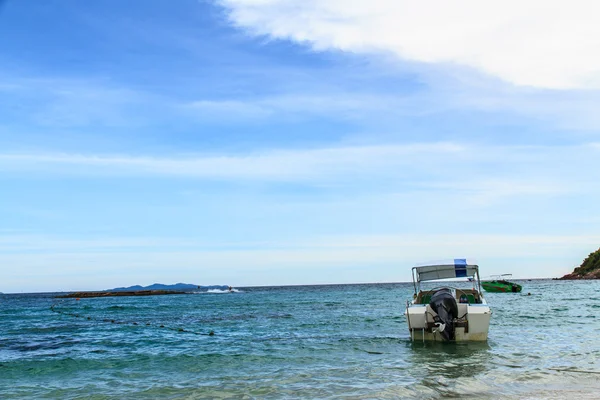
{"x": 297, "y": 342}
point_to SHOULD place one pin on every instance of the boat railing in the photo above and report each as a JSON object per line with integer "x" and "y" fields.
{"x": 471, "y": 296}
{"x": 500, "y": 277}
{"x": 457, "y": 268}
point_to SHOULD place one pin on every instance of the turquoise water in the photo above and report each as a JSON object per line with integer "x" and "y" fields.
{"x": 296, "y": 342}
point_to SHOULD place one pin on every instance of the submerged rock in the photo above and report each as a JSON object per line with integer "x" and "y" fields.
{"x": 122, "y": 293}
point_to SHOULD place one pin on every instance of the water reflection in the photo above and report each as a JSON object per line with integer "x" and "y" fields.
{"x": 450, "y": 369}
{"x": 450, "y": 360}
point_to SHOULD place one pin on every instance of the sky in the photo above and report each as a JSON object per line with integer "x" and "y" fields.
{"x": 288, "y": 142}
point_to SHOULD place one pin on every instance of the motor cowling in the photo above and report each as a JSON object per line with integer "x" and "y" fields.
{"x": 444, "y": 304}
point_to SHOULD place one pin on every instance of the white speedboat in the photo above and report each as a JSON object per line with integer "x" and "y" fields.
{"x": 447, "y": 312}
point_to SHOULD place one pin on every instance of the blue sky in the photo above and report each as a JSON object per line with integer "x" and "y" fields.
{"x": 267, "y": 142}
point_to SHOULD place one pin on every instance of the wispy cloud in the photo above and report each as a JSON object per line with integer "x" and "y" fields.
{"x": 468, "y": 174}
{"x": 183, "y": 146}
{"x": 564, "y": 110}
{"x": 537, "y": 44}
{"x": 388, "y": 257}
{"x": 223, "y": 109}
{"x": 345, "y": 105}
{"x": 38, "y": 243}
{"x": 59, "y": 102}
{"x": 486, "y": 192}
{"x": 494, "y": 245}
{"x": 555, "y": 109}
{"x": 269, "y": 165}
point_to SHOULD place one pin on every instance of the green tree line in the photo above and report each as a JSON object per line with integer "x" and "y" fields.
{"x": 591, "y": 263}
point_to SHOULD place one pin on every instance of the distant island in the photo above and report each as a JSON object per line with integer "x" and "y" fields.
{"x": 589, "y": 268}
{"x": 156, "y": 289}
{"x": 160, "y": 286}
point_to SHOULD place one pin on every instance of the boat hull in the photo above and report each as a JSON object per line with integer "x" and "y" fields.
{"x": 498, "y": 287}
{"x": 474, "y": 326}
{"x": 459, "y": 336}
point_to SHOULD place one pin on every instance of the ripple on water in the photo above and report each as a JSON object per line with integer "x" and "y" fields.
{"x": 310, "y": 342}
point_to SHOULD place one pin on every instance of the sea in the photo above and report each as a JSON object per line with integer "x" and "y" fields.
{"x": 296, "y": 342}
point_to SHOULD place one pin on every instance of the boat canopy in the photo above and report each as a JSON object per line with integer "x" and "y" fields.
{"x": 501, "y": 276}
{"x": 458, "y": 268}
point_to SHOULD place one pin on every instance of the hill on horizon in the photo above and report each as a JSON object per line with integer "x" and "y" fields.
{"x": 160, "y": 286}
{"x": 589, "y": 268}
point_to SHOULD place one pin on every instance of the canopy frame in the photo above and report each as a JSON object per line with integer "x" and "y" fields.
{"x": 458, "y": 268}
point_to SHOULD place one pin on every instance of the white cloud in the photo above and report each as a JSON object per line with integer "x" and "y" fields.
{"x": 269, "y": 165}
{"x": 55, "y": 102}
{"x": 334, "y": 248}
{"x": 390, "y": 256}
{"x": 575, "y": 109}
{"x": 223, "y": 109}
{"x": 539, "y": 43}
{"x": 486, "y": 192}
{"x": 346, "y": 105}
{"x": 479, "y": 175}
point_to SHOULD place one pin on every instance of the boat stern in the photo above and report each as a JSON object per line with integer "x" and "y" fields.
{"x": 471, "y": 325}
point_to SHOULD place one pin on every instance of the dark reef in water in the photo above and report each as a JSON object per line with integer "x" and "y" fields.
{"x": 119, "y": 293}
{"x": 589, "y": 268}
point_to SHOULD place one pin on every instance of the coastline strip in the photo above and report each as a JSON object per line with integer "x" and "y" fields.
{"x": 126, "y": 293}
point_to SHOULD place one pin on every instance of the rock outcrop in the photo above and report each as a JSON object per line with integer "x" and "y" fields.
{"x": 111, "y": 294}
{"x": 589, "y": 268}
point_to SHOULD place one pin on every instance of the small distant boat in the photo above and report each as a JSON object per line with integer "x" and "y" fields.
{"x": 501, "y": 285}
{"x": 447, "y": 313}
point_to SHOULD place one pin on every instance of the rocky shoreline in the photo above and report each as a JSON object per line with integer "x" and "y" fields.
{"x": 79, "y": 295}
{"x": 589, "y": 268}
{"x": 588, "y": 276}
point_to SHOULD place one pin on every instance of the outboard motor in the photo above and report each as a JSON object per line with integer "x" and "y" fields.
{"x": 444, "y": 304}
